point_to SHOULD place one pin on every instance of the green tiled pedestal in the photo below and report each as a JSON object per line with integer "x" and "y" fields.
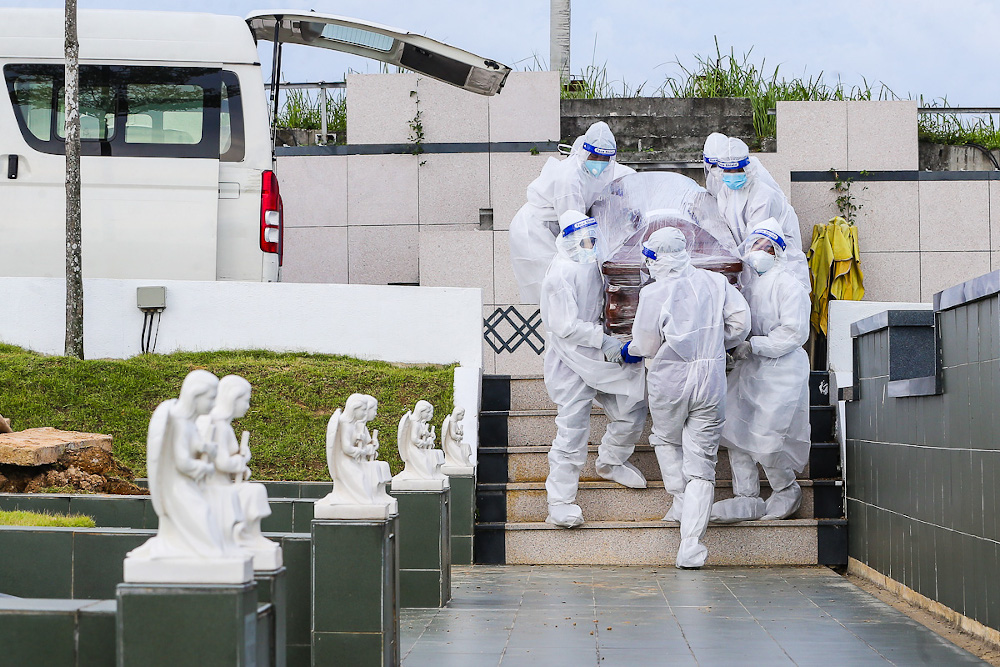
{"x": 272, "y": 588}
{"x": 463, "y": 517}
{"x": 424, "y": 547}
{"x": 187, "y": 624}
{"x": 355, "y": 592}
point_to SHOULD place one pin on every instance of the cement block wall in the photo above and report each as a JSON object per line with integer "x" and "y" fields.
{"x": 674, "y": 125}
{"x": 921, "y": 469}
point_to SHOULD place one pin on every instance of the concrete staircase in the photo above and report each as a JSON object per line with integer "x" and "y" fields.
{"x": 624, "y": 526}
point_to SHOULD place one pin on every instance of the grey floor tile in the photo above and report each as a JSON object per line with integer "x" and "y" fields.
{"x": 548, "y": 657}
{"x": 525, "y": 615}
{"x": 441, "y": 659}
{"x": 626, "y": 657}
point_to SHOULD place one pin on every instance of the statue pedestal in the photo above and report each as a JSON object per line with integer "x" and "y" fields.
{"x": 463, "y": 513}
{"x": 355, "y": 592}
{"x": 182, "y": 624}
{"x": 271, "y": 588}
{"x": 424, "y": 547}
{"x": 141, "y": 570}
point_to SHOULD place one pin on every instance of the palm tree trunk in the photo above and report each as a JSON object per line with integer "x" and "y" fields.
{"x": 559, "y": 38}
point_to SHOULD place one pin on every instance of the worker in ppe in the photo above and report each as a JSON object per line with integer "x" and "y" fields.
{"x": 715, "y": 145}
{"x": 583, "y": 364}
{"x": 749, "y": 196}
{"x": 767, "y": 402}
{"x": 686, "y": 320}
{"x": 570, "y": 184}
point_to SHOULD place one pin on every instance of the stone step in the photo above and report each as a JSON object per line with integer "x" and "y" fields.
{"x": 608, "y": 501}
{"x": 526, "y": 428}
{"x": 527, "y": 392}
{"x": 531, "y": 464}
{"x": 788, "y": 542}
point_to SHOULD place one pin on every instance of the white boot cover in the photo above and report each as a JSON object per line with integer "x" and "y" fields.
{"x": 740, "y": 508}
{"x": 784, "y": 503}
{"x": 671, "y": 461}
{"x": 625, "y": 474}
{"x": 676, "y": 509}
{"x": 565, "y": 516}
{"x": 698, "y": 496}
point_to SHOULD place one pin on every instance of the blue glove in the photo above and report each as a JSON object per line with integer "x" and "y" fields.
{"x": 628, "y": 358}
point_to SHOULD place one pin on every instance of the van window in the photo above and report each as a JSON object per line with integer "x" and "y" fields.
{"x": 32, "y": 96}
{"x": 232, "y": 140}
{"x": 97, "y": 106}
{"x": 165, "y": 111}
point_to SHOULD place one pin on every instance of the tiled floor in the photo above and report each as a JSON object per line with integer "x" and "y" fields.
{"x": 547, "y": 616}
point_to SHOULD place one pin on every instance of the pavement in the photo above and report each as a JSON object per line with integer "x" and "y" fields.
{"x": 550, "y": 616}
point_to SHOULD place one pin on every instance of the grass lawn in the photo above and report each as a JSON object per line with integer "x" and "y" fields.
{"x": 294, "y": 396}
{"x": 18, "y": 518}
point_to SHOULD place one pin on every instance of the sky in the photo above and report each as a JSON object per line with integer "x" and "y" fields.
{"x": 915, "y": 47}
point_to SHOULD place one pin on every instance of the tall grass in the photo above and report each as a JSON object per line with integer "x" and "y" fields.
{"x": 302, "y": 111}
{"x": 953, "y": 129}
{"x": 726, "y": 75}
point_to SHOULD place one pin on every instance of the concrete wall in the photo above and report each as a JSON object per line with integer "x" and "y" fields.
{"x": 921, "y": 469}
{"x": 920, "y": 232}
{"x": 402, "y": 218}
{"x": 400, "y": 324}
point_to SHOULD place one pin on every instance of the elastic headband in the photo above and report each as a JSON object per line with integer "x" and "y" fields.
{"x": 577, "y": 226}
{"x": 610, "y": 152}
{"x": 710, "y": 160}
{"x": 733, "y": 164}
{"x": 768, "y": 234}
{"x": 648, "y": 253}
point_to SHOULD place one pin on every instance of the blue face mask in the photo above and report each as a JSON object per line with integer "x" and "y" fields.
{"x": 596, "y": 167}
{"x": 734, "y": 181}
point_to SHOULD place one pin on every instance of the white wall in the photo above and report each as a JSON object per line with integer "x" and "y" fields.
{"x": 439, "y": 325}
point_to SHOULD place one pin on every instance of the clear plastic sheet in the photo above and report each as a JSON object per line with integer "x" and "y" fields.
{"x": 635, "y": 206}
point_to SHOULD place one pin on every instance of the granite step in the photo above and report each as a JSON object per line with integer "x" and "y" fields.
{"x": 527, "y": 392}
{"x": 787, "y": 542}
{"x": 531, "y": 464}
{"x": 609, "y": 501}
{"x": 538, "y": 427}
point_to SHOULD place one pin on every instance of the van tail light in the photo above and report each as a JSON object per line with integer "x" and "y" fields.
{"x": 271, "y": 215}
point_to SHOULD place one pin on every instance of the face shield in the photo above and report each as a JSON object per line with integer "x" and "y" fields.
{"x": 599, "y": 149}
{"x": 597, "y": 159}
{"x": 733, "y": 163}
{"x": 762, "y": 249}
{"x": 578, "y": 241}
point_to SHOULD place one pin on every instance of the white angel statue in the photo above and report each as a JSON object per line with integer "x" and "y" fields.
{"x": 456, "y": 452}
{"x": 415, "y": 438}
{"x": 349, "y": 450}
{"x": 240, "y": 504}
{"x": 189, "y": 546}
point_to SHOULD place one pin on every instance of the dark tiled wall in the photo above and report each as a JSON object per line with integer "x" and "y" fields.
{"x": 922, "y": 471}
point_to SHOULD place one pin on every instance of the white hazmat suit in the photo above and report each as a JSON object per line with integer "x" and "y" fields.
{"x": 767, "y": 416}
{"x": 579, "y": 370}
{"x": 685, "y": 321}
{"x": 572, "y": 184}
{"x": 758, "y": 199}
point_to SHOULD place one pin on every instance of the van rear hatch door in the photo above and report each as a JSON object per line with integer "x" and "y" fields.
{"x": 389, "y": 45}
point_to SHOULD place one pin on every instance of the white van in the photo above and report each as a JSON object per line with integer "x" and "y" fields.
{"x": 176, "y": 165}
